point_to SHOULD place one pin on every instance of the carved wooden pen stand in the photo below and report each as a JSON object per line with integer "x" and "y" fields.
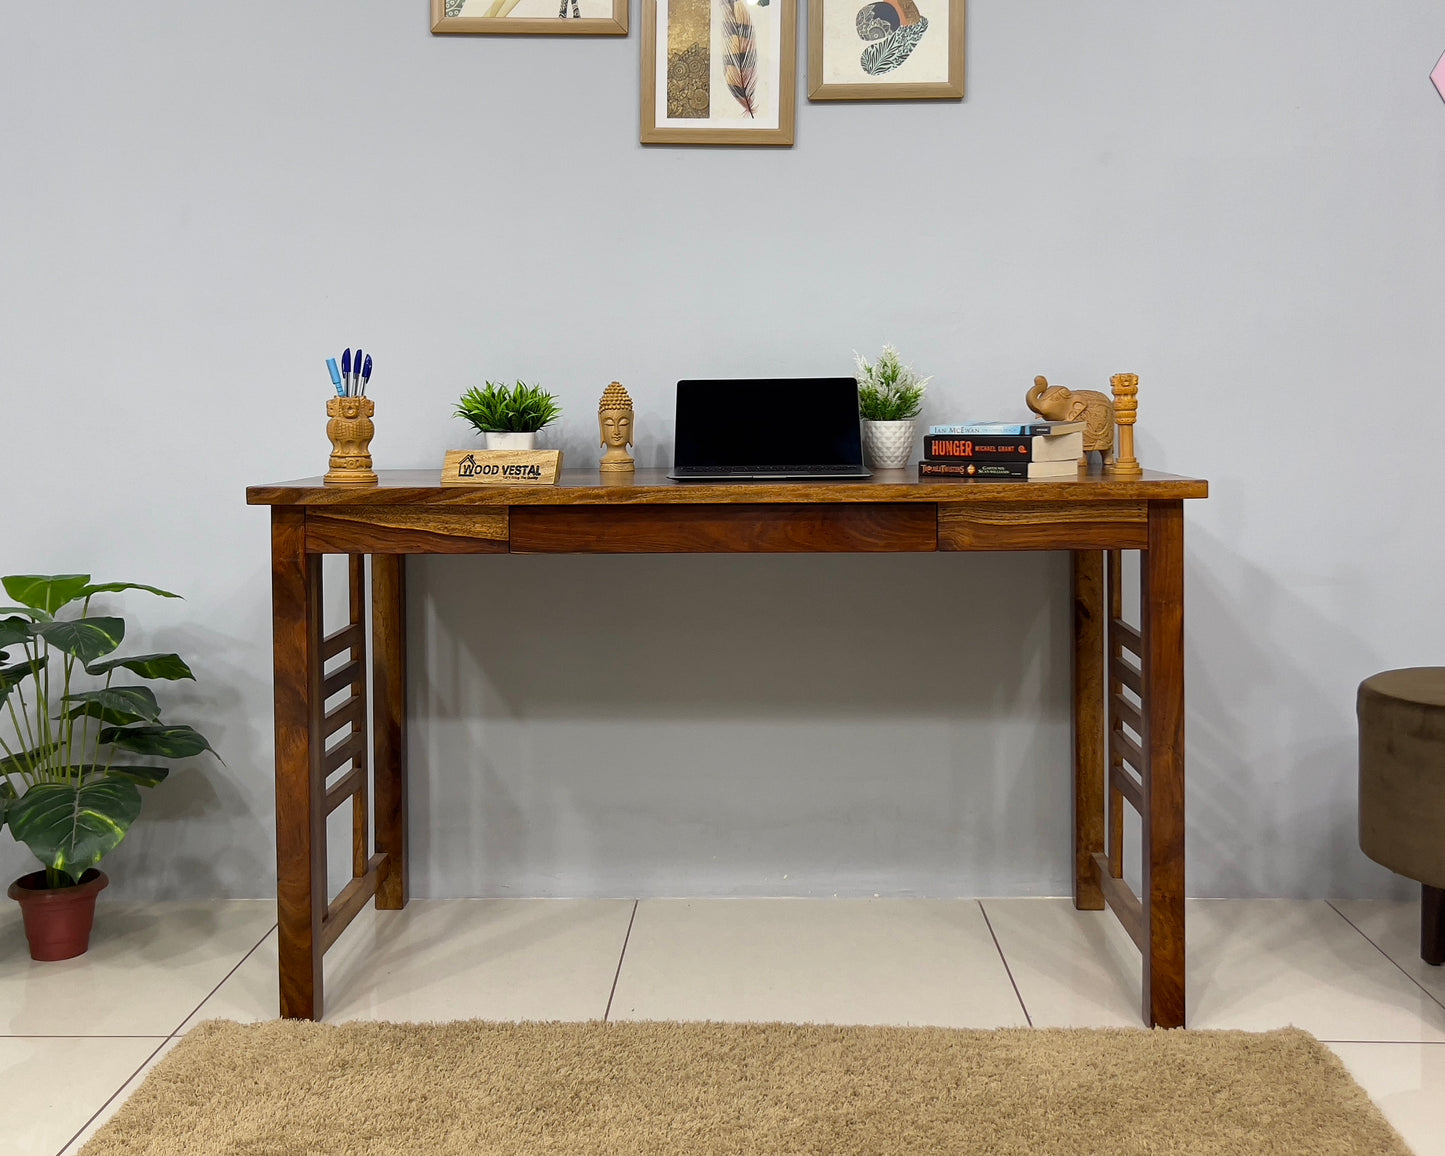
{"x": 350, "y": 430}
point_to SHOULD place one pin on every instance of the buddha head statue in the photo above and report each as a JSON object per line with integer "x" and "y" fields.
{"x": 614, "y": 427}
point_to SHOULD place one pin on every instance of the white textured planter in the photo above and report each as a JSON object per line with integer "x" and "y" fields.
{"x": 511, "y": 441}
{"x": 888, "y": 445}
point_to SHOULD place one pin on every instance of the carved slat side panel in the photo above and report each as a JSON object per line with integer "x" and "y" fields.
{"x": 1122, "y": 902}
{"x": 769, "y": 529}
{"x": 1043, "y": 525}
{"x": 383, "y": 530}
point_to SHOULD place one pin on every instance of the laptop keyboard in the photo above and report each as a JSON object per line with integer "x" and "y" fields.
{"x": 720, "y": 471}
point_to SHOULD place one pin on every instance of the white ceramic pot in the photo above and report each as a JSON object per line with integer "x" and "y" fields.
{"x": 888, "y": 445}
{"x": 511, "y": 441}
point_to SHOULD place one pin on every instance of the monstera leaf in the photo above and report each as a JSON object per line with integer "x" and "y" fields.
{"x": 46, "y": 593}
{"x": 85, "y": 638}
{"x": 115, "y": 587}
{"x": 117, "y": 705}
{"x": 15, "y": 629}
{"x": 71, "y": 827}
{"x": 12, "y": 676}
{"x": 146, "y": 665}
{"x": 166, "y": 742}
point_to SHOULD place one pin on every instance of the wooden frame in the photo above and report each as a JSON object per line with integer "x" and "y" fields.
{"x": 441, "y": 22}
{"x": 727, "y": 132}
{"x": 950, "y": 88}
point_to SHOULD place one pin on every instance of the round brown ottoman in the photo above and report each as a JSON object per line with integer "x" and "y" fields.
{"x": 1402, "y": 786}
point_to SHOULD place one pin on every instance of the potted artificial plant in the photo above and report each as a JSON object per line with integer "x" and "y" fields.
{"x": 69, "y": 782}
{"x": 890, "y": 394}
{"x": 509, "y": 416}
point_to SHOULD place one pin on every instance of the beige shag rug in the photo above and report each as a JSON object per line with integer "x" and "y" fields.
{"x": 662, "y": 1089}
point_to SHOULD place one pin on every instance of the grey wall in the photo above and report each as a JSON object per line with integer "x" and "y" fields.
{"x": 1243, "y": 203}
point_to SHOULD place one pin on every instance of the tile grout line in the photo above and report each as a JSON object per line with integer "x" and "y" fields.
{"x": 61, "y": 1151}
{"x": 1004, "y": 960}
{"x": 250, "y": 952}
{"x": 608, "y": 1011}
{"x": 1428, "y": 993}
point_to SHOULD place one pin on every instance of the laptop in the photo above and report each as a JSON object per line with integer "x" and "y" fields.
{"x": 783, "y": 427}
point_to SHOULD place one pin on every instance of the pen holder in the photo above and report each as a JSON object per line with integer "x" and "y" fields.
{"x": 350, "y": 431}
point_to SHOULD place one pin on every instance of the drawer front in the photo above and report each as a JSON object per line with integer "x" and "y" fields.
{"x": 803, "y": 528}
{"x": 387, "y": 530}
{"x": 1043, "y": 526}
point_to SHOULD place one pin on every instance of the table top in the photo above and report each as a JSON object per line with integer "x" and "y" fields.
{"x": 654, "y": 487}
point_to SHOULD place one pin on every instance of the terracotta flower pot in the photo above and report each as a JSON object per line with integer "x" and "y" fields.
{"x": 58, "y": 919}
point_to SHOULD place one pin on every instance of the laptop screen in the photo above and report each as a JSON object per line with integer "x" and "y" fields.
{"x": 767, "y": 422}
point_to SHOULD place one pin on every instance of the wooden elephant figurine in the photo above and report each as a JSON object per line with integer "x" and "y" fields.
{"x": 1094, "y": 409}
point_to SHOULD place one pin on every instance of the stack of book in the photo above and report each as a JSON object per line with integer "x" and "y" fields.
{"x": 1036, "y": 449}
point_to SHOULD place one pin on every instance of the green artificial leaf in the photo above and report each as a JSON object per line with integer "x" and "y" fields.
{"x": 27, "y": 611}
{"x": 13, "y": 676}
{"x": 112, "y": 587}
{"x": 25, "y": 760}
{"x": 7, "y": 796}
{"x": 72, "y": 827}
{"x": 146, "y": 665}
{"x": 166, "y": 742}
{"x": 116, "y": 704}
{"x": 15, "y": 629}
{"x": 86, "y": 638}
{"x": 47, "y": 592}
{"x": 141, "y": 776}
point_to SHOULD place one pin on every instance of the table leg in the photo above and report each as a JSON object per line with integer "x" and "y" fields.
{"x": 1089, "y": 725}
{"x": 1432, "y": 924}
{"x": 1162, "y": 599}
{"x": 388, "y": 626}
{"x": 300, "y": 817}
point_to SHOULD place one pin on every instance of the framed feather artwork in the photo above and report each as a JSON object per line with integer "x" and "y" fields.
{"x": 885, "y": 49}
{"x": 719, "y": 71}
{"x": 545, "y": 17}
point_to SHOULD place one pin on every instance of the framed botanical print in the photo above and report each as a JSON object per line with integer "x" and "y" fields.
{"x": 885, "y": 49}
{"x": 547, "y": 17}
{"x": 719, "y": 71}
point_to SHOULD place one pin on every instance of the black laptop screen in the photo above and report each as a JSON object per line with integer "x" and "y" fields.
{"x": 798, "y": 421}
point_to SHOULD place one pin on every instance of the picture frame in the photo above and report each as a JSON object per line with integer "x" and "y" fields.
{"x": 694, "y": 93}
{"x": 883, "y": 50}
{"x": 529, "y": 17}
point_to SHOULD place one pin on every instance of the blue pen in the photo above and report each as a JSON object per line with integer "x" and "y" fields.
{"x": 346, "y": 370}
{"x": 335, "y": 376}
{"x": 365, "y": 374}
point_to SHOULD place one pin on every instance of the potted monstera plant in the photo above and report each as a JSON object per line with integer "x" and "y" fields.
{"x": 80, "y": 735}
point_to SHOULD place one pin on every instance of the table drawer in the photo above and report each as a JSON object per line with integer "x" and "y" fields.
{"x": 853, "y": 527}
{"x": 392, "y": 530}
{"x": 1043, "y": 526}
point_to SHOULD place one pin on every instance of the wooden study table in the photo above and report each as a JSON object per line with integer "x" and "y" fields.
{"x": 1128, "y": 683}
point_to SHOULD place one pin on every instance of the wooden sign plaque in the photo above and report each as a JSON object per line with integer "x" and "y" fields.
{"x": 502, "y": 467}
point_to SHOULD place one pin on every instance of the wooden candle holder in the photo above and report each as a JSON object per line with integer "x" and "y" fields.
{"x": 350, "y": 430}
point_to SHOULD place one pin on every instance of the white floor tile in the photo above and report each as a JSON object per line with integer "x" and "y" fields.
{"x": 1395, "y": 929}
{"x": 148, "y": 967}
{"x": 1262, "y": 964}
{"x": 53, "y": 1085}
{"x": 497, "y": 959}
{"x": 816, "y": 961}
{"x": 1074, "y": 969}
{"x": 113, "y": 1105}
{"x": 1407, "y": 1081}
